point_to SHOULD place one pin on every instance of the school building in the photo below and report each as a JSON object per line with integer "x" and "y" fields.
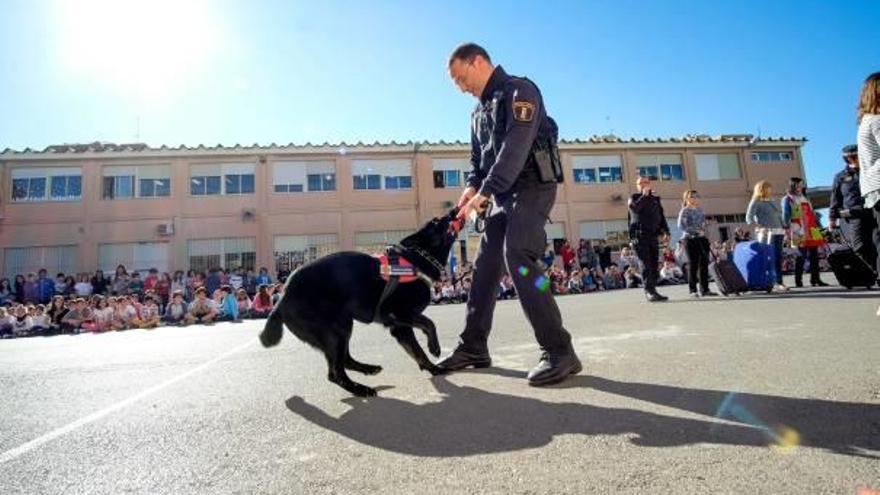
{"x": 77, "y": 208}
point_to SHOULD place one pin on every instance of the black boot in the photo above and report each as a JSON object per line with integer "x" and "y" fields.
{"x": 462, "y": 358}
{"x": 554, "y": 368}
{"x": 655, "y": 297}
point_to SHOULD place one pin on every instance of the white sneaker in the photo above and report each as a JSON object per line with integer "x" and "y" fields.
{"x": 780, "y": 288}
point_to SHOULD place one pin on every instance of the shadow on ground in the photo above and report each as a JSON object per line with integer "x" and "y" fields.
{"x": 470, "y": 421}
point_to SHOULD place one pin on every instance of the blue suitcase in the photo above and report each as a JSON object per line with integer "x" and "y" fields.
{"x": 753, "y": 260}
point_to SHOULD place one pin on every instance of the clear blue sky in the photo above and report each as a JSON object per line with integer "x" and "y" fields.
{"x": 240, "y": 71}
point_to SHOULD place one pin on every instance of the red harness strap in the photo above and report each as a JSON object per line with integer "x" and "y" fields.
{"x": 404, "y": 270}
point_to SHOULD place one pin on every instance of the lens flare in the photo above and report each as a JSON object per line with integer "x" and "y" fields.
{"x": 783, "y": 440}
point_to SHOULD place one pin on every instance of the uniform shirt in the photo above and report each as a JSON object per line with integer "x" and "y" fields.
{"x": 845, "y": 192}
{"x": 646, "y": 218}
{"x": 504, "y": 126}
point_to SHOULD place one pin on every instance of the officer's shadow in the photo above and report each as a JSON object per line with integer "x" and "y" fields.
{"x": 470, "y": 421}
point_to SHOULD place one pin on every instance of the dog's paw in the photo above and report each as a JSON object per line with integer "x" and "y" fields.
{"x": 434, "y": 348}
{"x": 372, "y": 369}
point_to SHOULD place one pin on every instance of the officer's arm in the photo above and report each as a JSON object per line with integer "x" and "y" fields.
{"x": 523, "y": 112}
{"x": 836, "y": 199}
{"x": 475, "y": 177}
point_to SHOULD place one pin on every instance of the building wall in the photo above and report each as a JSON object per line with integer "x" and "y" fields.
{"x": 345, "y": 212}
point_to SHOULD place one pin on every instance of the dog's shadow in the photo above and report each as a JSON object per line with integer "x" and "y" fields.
{"x": 470, "y": 421}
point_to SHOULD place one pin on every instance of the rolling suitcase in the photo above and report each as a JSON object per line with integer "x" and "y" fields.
{"x": 727, "y": 277}
{"x": 753, "y": 260}
{"x": 850, "y": 269}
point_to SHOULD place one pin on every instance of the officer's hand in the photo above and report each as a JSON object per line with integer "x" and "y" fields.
{"x": 466, "y": 196}
{"x": 477, "y": 203}
{"x": 664, "y": 238}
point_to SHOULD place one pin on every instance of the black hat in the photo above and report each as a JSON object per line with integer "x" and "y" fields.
{"x": 850, "y": 149}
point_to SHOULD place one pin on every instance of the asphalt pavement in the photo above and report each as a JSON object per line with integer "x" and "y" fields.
{"x": 756, "y": 394}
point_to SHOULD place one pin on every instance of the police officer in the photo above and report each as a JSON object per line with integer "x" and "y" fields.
{"x": 646, "y": 222}
{"x": 510, "y": 131}
{"x": 848, "y": 210}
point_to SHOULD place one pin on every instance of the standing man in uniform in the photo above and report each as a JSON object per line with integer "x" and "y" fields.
{"x": 847, "y": 208}
{"x": 513, "y": 159}
{"x": 646, "y": 222}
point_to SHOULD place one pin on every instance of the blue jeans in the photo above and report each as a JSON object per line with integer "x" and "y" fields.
{"x": 777, "y": 241}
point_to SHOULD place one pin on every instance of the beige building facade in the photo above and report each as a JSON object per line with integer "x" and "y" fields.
{"x": 77, "y": 208}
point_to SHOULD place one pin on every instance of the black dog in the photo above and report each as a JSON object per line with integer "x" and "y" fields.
{"x": 322, "y": 299}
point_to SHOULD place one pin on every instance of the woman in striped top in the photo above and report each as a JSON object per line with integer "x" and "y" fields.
{"x": 869, "y": 150}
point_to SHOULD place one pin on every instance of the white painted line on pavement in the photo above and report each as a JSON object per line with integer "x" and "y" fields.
{"x": 48, "y": 437}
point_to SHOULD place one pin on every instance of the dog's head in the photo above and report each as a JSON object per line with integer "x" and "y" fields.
{"x": 435, "y": 239}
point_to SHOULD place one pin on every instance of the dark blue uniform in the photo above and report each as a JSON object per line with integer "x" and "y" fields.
{"x": 507, "y": 121}
{"x": 646, "y": 222}
{"x": 847, "y": 206}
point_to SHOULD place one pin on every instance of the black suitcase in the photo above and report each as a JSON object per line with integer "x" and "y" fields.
{"x": 850, "y": 269}
{"x": 727, "y": 277}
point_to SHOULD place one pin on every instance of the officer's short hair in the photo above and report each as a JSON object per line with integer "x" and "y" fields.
{"x": 467, "y": 52}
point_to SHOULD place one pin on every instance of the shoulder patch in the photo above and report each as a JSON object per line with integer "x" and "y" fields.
{"x": 523, "y": 111}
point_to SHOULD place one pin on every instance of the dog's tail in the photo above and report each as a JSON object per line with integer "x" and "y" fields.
{"x": 274, "y": 329}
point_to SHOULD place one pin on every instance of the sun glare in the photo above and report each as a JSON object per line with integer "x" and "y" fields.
{"x": 142, "y": 49}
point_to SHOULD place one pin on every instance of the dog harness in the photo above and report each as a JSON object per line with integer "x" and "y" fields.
{"x": 395, "y": 270}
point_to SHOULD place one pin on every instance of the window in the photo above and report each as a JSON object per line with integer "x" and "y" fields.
{"x": 450, "y": 172}
{"x": 723, "y": 166}
{"x": 228, "y": 253}
{"x": 66, "y": 187}
{"x": 614, "y": 232}
{"x": 597, "y": 169}
{"x": 399, "y": 182}
{"x": 374, "y": 174}
{"x": 239, "y": 183}
{"x": 136, "y": 256}
{"x": 295, "y": 250}
{"x": 297, "y": 177}
{"x": 660, "y": 167}
{"x": 227, "y": 178}
{"x": 206, "y": 185}
{"x": 119, "y": 187}
{"x": 126, "y": 182}
{"x": 771, "y": 156}
{"x": 155, "y": 188}
{"x": 55, "y": 259}
{"x": 375, "y": 242}
{"x": 46, "y": 184}
{"x": 29, "y": 189}
{"x": 371, "y": 181}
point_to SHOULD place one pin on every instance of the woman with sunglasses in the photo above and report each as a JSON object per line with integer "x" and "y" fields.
{"x": 692, "y": 222}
